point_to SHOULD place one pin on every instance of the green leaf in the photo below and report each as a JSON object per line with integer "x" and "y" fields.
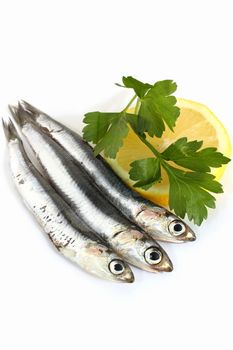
{"x": 188, "y": 193}
{"x": 113, "y": 138}
{"x": 206, "y": 180}
{"x": 106, "y": 131}
{"x": 132, "y": 119}
{"x": 97, "y": 125}
{"x": 158, "y": 108}
{"x": 181, "y": 148}
{"x": 146, "y": 172}
{"x": 189, "y": 190}
{"x": 149, "y": 121}
{"x": 185, "y": 154}
{"x": 139, "y": 87}
{"x": 212, "y": 157}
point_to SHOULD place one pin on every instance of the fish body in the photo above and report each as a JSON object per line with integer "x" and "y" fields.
{"x": 68, "y": 234}
{"x": 129, "y": 241}
{"x": 157, "y": 221}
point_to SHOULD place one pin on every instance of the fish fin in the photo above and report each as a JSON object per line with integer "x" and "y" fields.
{"x": 13, "y": 111}
{"x": 10, "y": 130}
{"x": 28, "y": 107}
{"x": 20, "y": 116}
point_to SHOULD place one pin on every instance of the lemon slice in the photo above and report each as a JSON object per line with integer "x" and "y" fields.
{"x": 196, "y": 122}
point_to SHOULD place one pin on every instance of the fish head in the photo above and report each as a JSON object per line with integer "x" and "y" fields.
{"x": 100, "y": 261}
{"x": 136, "y": 247}
{"x": 165, "y": 226}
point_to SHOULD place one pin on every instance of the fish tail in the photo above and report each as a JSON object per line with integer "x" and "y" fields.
{"x": 20, "y": 116}
{"x": 9, "y": 130}
{"x": 28, "y": 107}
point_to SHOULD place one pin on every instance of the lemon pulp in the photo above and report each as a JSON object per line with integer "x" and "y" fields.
{"x": 196, "y": 122}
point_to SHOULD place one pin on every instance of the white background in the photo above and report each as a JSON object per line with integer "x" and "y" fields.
{"x": 64, "y": 56}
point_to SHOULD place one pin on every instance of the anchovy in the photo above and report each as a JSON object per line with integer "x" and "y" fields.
{"x": 70, "y": 236}
{"x": 126, "y": 239}
{"x": 157, "y": 221}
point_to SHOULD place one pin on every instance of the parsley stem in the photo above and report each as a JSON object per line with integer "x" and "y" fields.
{"x": 143, "y": 139}
{"x": 130, "y": 102}
{"x": 136, "y": 109}
{"x": 166, "y": 166}
{"x": 149, "y": 145}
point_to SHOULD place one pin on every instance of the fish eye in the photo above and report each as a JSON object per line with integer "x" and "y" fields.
{"x": 177, "y": 228}
{"x": 116, "y": 267}
{"x": 153, "y": 256}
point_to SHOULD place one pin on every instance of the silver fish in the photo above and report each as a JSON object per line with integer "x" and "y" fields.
{"x": 69, "y": 235}
{"x": 157, "y": 221}
{"x": 129, "y": 241}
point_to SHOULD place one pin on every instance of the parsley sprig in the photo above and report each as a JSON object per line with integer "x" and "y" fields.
{"x": 191, "y": 183}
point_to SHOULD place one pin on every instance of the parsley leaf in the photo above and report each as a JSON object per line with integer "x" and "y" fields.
{"x": 190, "y": 187}
{"x": 97, "y": 125}
{"x": 139, "y": 87}
{"x": 185, "y": 154}
{"x": 133, "y": 122}
{"x": 158, "y": 108}
{"x": 188, "y": 193}
{"x": 189, "y": 190}
{"x": 147, "y": 171}
{"x": 106, "y": 131}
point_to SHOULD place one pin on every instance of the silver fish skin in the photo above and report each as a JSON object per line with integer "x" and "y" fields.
{"x": 70, "y": 236}
{"x": 75, "y": 187}
{"x": 157, "y": 221}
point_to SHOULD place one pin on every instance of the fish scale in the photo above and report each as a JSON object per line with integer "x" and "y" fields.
{"x": 54, "y": 223}
{"x": 104, "y": 220}
{"x": 100, "y": 215}
{"x": 68, "y": 234}
{"x": 155, "y": 220}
